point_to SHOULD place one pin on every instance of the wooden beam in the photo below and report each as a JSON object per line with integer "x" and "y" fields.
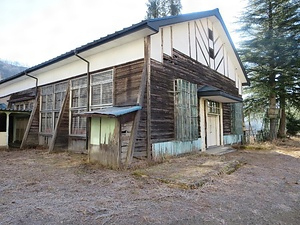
{"x": 148, "y": 125}
{"x": 57, "y": 125}
{"x": 140, "y": 101}
{"x": 35, "y": 105}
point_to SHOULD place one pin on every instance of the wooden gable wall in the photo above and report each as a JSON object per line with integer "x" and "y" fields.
{"x": 179, "y": 66}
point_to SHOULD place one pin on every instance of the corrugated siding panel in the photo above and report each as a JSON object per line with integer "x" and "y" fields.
{"x": 175, "y": 147}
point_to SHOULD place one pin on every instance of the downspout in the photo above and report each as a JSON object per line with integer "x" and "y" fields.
{"x": 88, "y": 96}
{"x": 88, "y": 79}
{"x": 36, "y": 82}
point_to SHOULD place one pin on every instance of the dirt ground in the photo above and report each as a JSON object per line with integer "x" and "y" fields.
{"x": 256, "y": 185}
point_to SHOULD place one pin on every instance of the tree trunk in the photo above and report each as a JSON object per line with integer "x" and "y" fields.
{"x": 282, "y": 124}
{"x": 272, "y": 120}
{"x": 272, "y": 75}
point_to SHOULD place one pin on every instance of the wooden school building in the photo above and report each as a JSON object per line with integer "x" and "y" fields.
{"x": 160, "y": 87}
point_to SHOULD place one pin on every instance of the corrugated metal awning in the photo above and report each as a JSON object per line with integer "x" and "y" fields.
{"x": 112, "y": 111}
{"x": 217, "y": 95}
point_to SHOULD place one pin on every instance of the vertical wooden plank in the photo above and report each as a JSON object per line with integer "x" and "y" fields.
{"x": 89, "y": 119}
{"x": 171, "y": 33}
{"x": 148, "y": 63}
{"x": 119, "y": 136}
{"x": 195, "y": 25}
{"x": 175, "y": 109}
{"x": 161, "y": 45}
{"x": 189, "y": 34}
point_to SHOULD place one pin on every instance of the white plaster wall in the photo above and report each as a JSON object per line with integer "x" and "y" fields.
{"x": 3, "y": 139}
{"x": 231, "y": 70}
{"x": 16, "y": 85}
{"x": 156, "y": 47}
{"x": 220, "y": 49}
{"x": 181, "y": 38}
{"x": 167, "y": 40}
{"x": 118, "y": 55}
{"x": 192, "y": 41}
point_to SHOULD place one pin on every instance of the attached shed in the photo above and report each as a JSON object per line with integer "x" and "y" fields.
{"x": 110, "y": 135}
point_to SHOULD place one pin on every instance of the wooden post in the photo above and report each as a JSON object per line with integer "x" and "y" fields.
{"x": 140, "y": 101}
{"x": 148, "y": 63}
{"x": 30, "y": 121}
{"x": 57, "y": 125}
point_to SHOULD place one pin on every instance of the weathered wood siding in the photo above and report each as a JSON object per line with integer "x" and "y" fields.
{"x": 127, "y": 81}
{"x": 162, "y": 102}
{"x": 226, "y": 118}
{"x": 22, "y": 96}
{"x": 179, "y": 66}
{"x": 126, "y": 132}
{"x": 140, "y": 149}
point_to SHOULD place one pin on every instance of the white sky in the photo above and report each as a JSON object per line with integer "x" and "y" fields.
{"x": 33, "y": 31}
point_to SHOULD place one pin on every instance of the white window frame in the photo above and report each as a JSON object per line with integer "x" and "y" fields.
{"x": 97, "y": 80}
{"x": 213, "y": 108}
{"x": 50, "y": 113}
{"x": 80, "y": 128}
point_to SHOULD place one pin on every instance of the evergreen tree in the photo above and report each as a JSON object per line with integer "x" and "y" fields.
{"x": 162, "y": 8}
{"x": 153, "y": 9}
{"x": 270, "y": 52}
{"x": 174, "y": 7}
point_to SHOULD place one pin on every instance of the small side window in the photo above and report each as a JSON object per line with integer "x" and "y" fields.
{"x": 210, "y": 34}
{"x": 211, "y": 53}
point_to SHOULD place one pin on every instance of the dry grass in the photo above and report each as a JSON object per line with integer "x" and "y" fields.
{"x": 243, "y": 187}
{"x": 189, "y": 171}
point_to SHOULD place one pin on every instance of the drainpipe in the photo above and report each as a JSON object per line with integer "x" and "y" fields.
{"x": 36, "y": 82}
{"x": 88, "y": 97}
{"x": 88, "y": 79}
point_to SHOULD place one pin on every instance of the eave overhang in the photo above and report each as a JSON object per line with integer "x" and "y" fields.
{"x": 126, "y": 35}
{"x": 26, "y": 112}
{"x": 217, "y": 95}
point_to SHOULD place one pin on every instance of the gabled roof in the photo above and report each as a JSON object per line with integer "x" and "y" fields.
{"x": 151, "y": 25}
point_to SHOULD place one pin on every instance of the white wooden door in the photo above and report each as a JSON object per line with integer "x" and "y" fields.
{"x": 213, "y": 130}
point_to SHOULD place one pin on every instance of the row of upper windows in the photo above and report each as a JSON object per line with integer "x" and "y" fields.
{"x": 52, "y": 96}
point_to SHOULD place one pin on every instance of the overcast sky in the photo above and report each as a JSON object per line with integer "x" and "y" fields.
{"x": 33, "y": 31}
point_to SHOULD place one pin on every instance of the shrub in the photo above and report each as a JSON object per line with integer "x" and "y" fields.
{"x": 293, "y": 124}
